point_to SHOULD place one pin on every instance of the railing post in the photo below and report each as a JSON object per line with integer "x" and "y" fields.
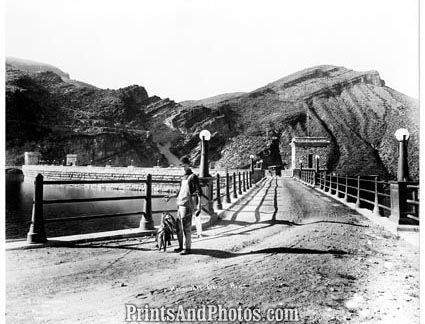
{"x": 320, "y": 180}
{"x": 217, "y": 190}
{"x": 358, "y": 192}
{"x": 346, "y": 189}
{"x": 36, "y": 233}
{"x": 324, "y": 181}
{"x": 337, "y": 186}
{"x": 246, "y": 180}
{"x": 235, "y": 195}
{"x": 414, "y": 207}
{"x": 398, "y": 193}
{"x": 207, "y": 186}
{"x": 243, "y": 177}
{"x": 330, "y": 183}
{"x": 240, "y": 184}
{"x": 146, "y": 223}
{"x": 228, "y": 184}
{"x": 376, "y": 204}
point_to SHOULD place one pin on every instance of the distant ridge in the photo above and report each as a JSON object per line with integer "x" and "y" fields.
{"x": 355, "y": 110}
{"x": 34, "y": 67}
{"x": 211, "y": 101}
{"x": 30, "y": 66}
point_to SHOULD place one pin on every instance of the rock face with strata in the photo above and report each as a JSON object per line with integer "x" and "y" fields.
{"x": 355, "y": 110}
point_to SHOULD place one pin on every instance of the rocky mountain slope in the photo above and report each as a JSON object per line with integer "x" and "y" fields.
{"x": 34, "y": 67}
{"x": 355, "y": 110}
{"x": 211, "y": 101}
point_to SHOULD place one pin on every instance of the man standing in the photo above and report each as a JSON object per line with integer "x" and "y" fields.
{"x": 188, "y": 189}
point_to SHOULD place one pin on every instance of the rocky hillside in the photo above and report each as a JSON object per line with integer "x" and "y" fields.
{"x": 56, "y": 117}
{"x": 34, "y": 67}
{"x": 211, "y": 101}
{"x": 355, "y": 110}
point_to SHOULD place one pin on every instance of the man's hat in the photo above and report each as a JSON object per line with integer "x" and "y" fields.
{"x": 185, "y": 160}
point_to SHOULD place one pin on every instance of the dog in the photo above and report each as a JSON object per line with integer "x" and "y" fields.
{"x": 165, "y": 231}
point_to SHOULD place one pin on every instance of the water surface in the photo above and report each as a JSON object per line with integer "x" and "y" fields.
{"x": 19, "y": 196}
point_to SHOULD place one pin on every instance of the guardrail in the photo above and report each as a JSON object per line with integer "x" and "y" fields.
{"x": 226, "y": 185}
{"x": 37, "y": 232}
{"x": 397, "y": 200}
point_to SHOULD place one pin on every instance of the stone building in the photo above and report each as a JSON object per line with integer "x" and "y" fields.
{"x": 32, "y": 158}
{"x": 305, "y": 149}
{"x": 71, "y": 159}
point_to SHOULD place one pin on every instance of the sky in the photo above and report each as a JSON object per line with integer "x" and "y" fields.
{"x": 193, "y": 49}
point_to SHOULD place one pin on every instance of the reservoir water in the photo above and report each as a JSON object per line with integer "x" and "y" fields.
{"x": 19, "y": 196}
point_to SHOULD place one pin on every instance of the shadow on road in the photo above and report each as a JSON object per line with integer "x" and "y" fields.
{"x": 128, "y": 247}
{"x": 236, "y": 213}
{"x": 257, "y": 209}
{"x": 225, "y": 254}
{"x": 316, "y": 222}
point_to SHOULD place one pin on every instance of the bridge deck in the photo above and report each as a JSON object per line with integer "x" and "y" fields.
{"x": 286, "y": 245}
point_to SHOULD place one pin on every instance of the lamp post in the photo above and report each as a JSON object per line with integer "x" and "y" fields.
{"x": 301, "y": 164}
{"x": 252, "y": 157}
{"x": 205, "y": 136}
{"x": 317, "y": 163}
{"x": 251, "y": 172}
{"x": 402, "y": 135}
{"x": 207, "y": 181}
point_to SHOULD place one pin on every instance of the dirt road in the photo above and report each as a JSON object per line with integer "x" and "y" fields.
{"x": 290, "y": 246}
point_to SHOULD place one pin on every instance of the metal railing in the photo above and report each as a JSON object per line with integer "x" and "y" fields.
{"x": 399, "y": 200}
{"x": 412, "y": 200}
{"x": 222, "y": 188}
{"x": 228, "y": 184}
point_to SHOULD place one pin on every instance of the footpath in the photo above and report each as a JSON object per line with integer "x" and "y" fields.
{"x": 285, "y": 245}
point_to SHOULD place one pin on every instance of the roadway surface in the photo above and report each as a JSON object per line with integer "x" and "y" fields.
{"x": 288, "y": 246}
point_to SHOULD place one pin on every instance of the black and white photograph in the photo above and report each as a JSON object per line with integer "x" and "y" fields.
{"x": 211, "y": 161}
